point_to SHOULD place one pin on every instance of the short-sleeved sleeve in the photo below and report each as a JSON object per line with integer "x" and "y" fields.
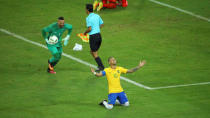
{"x": 123, "y": 70}
{"x": 88, "y": 23}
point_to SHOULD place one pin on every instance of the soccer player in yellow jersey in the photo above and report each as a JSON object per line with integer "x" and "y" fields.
{"x": 116, "y": 93}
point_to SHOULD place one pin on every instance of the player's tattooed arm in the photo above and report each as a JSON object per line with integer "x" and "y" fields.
{"x": 133, "y": 69}
{"x": 95, "y": 73}
{"x": 141, "y": 64}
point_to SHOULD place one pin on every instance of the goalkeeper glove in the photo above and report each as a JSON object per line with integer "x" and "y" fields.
{"x": 66, "y": 40}
{"x": 47, "y": 41}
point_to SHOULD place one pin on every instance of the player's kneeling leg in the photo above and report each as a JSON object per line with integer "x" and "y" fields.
{"x": 108, "y": 106}
{"x": 123, "y": 99}
{"x": 126, "y": 104}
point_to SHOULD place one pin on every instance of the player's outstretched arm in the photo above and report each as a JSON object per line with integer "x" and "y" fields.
{"x": 95, "y": 73}
{"x": 141, "y": 64}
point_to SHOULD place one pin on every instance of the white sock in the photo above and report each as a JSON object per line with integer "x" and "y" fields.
{"x": 108, "y": 106}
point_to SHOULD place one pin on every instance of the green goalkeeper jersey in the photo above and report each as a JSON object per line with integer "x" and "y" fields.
{"x": 54, "y": 29}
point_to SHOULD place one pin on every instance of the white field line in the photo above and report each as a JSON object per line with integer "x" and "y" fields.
{"x": 175, "y": 86}
{"x": 91, "y": 65}
{"x": 181, "y": 10}
{"x": 69, "y": 56}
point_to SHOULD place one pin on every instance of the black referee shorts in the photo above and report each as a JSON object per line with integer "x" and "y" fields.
{"x": 95, "y": 42}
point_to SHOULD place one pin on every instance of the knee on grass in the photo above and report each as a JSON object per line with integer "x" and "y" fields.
{"x": 126, "y": 104}
{"x": 108, "y": 106}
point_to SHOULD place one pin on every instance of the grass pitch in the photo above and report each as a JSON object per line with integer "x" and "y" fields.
{"x": 175, "y": 45}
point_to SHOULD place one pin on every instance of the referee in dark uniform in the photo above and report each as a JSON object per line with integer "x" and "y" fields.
{"x": 94, "y": 23}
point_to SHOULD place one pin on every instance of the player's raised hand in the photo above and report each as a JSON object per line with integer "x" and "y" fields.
{"x": 95, "y": 73}
{"x": 141, "y": 63}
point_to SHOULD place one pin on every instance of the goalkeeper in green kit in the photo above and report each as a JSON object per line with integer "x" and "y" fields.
{"x": 56, "y": 30}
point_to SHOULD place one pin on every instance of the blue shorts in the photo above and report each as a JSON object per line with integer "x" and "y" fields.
{"x": 112, "y": 97}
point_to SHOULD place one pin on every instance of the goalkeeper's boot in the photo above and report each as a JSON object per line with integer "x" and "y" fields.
{"x": 50, "y": 68}
{"x": 95, "y": 4}
{"x": 100, "y": 6}
{"x": 52, "y": 72}
{"x": 101, "y": 103}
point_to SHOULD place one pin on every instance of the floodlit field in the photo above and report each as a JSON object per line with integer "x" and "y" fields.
{"x": 175, "y": 82}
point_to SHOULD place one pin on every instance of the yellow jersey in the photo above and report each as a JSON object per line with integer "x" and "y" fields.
{"x": 113, "y": 78}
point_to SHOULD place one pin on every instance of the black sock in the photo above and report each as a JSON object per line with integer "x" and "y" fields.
{"x": 54, "y": 63}
{"x": 99, "y": 62}
{"x": 49, "y": 62}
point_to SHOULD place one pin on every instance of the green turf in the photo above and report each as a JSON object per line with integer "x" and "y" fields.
{"x": 175, "y": 45}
